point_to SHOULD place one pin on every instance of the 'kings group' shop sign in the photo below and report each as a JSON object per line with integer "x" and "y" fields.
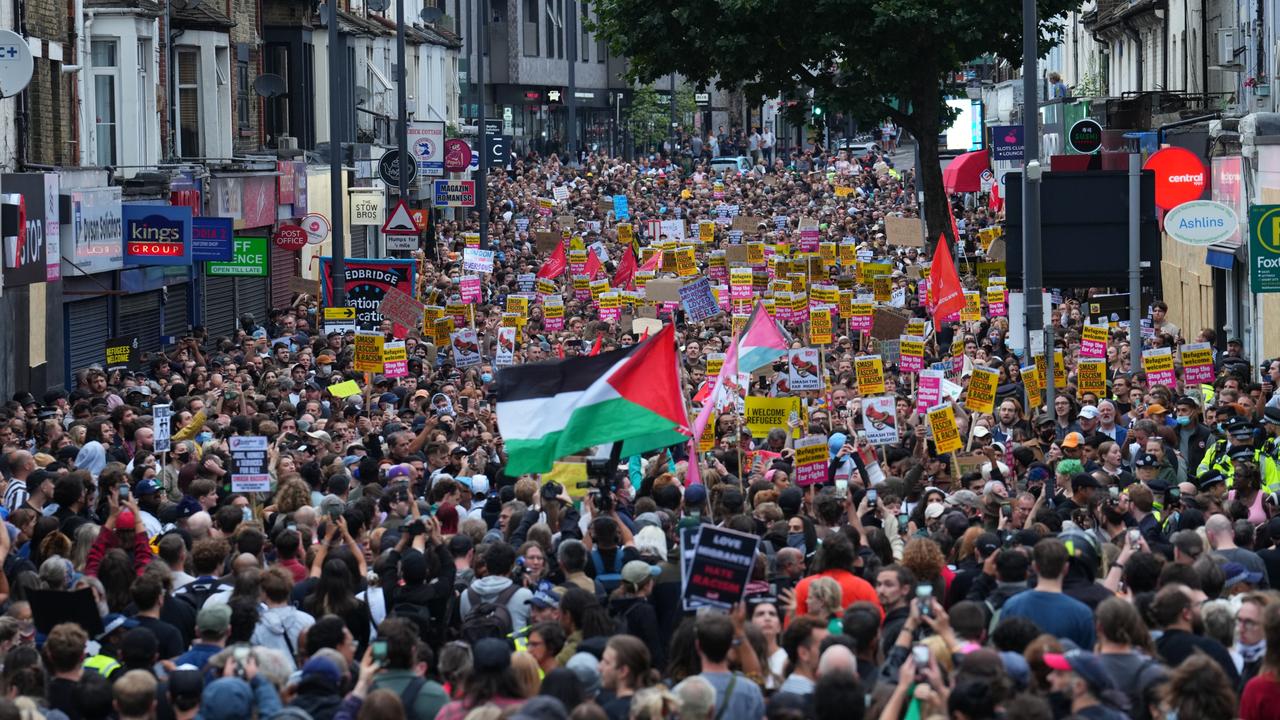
{"x": 157, "y": 235}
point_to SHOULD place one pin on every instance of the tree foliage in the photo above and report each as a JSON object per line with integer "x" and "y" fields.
{"x": 649, "y": 118}
{"x": 874, "y": 58}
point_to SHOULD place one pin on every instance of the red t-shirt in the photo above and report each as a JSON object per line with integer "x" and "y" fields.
{"x": 1261, "y": 698}
{"x": 853, "y": 589}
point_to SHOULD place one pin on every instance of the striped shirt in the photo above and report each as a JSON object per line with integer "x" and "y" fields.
{"x": 16, "y": 495}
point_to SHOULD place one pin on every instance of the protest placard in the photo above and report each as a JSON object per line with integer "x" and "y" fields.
{"x": 880, "y": 420}
{"x": 1158, "y": 364}
{"x": 803, "y": 376}
{"x": 763, "y": 414}
{"x": 1197, "y": 364}
{"x": 861, "y": 316}
{"x": 400, "y": 308}
{"x": 946, "y": 435}
{"x": 1091, "y": 376}
{"x": 720, "y": 567}
{"x": 395, "y": 359}
{"x": 477, "y": 260}
{"x": 162, "y": 416}
{"x": 910, "y": 354}
{"x": 344, "y": 389}
{"x": 715, "y": 361}
{"x": 1034, "y": 385}
{"x": 1093, "y": 341}
{"x": 811, "y": 460}
{"x": 929, "y": 393}
{"x": 249, "y": 456}
{"x": 504, "y": 355}
{"x": 903, "y": 232}
{"x": 368, "y": 352}
{"x": 820, "y": 330}
{"x": 888, "y": 323}
{"x": 466, "y": 348}
{"x": 982, "y": 390}
{"x": 869, "y": 369}
{"x": 997, "y": 301}
{"x": 699, "y": 301}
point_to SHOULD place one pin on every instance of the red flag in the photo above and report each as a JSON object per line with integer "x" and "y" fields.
{"x": 944, "y": 284}
{"x": 592, "y": 265}
{"x": 560, "y": 351}
{"x": 555, "y": 265}
{"x": 652, "y": 263}
{"x": 624, "y": 276}
{"x": 595, "y": 346}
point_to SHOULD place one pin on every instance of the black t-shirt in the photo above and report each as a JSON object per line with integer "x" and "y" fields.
{"x": 63, "y": 694}
{"x": 167, "y": 635}
{"x": 615, "y": 707}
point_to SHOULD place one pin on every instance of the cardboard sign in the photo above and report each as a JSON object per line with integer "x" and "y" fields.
{"x": 946, "y": 434}
{"x": 466, "y": 348}
{"x": 1091, "y": 376}
{"x": 545, "y": 241}
{"x": 803, "y": 375}
{"x": 720, "y": 567}
{"x": 1093, "y": 341}
{"x": 400, "y": 308}
{"x": 368, "y": 352}
{"x": 1197, "y": 364}
{"x": 763, "y": 414}
{"x": 810, "y": 460}
{"x": 869, "y": 369}
{"x": 249, "y": 457}
{"x": 904, "y": 232}
{"x": 663, "y": 290}
{"x": 880, "y": 419}
{"x": 1158, "y": 364}
{"x": 888, "y": 323}
{"x": 982, "y": 390}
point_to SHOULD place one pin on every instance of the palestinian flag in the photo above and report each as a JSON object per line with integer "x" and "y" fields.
{"x": 632, "y": 395}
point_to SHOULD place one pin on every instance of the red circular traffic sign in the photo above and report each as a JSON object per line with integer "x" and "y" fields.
{"x": 1180, "y": 176}
{"x": 457, "y": 155}
{"x": 291, "y": 237}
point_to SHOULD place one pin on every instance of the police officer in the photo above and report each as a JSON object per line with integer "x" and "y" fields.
{"x": 1239, "y": 444}
{"x": 104, "y": 661}
{"x": 1269, "y": 456}
{"x": 544, "y": 606}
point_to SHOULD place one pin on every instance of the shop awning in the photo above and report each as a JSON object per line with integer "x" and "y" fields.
{"x": 964, "y": 173}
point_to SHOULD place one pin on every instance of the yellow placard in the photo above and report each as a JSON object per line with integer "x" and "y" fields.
{"x": 686, "y": 263}
{"x": 344, "y": 389}
{"x": 1157, "y": 363}
{"x": 518, "y": 305}
{"x": 869, "y": 370}
{"x": 995, "y": 295}
{"x": 915, "y": 326}
{"x": 553, "y": 312}
{"x": 763, "y": 414}
{"x": 1091, "y": 376}
{"x": 368, "y": 349}
{"x": 972, "y": 311}
{"x": 461, "y": 312}
{"x": 981, "y": 397}
{"x": 706, "y": 232}
{"x": 715, "y": 361}
{"x": 827, "y": 251}
{"x": 882, "y": 287}
{"x": 911, "y": 348}
{"x": 946, "y": 435}
{"x": 444, "y": 328}
{"x": 813, "y": 454}
{"x": 755, "y": 253}
{"x": 1059, "y": 369}
{"x": 626, "y": 233}
{"x": 545, "y": 286}
{"x": 843, "y": 191}
{"x": 820, "y": 326}
{"x": 598, "y": 288}
{"x": 471, "y": 240}
{"x": 707, "y": 440}
{"x": 1031, "y": 379}
{"x": 430, "y": 314}
{"x": 848, "y": 253}
{"x": 572, "y": 476}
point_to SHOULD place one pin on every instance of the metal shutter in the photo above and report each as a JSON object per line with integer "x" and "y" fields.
{"x": 139, "y": 316}
{"x": 253, "y": 296}
{"x": 220, "y": 306}
{"x": 176, "y": 321}
{"x": 88, "y": 330}
{"x": 284, "y": 265}
{"x": 358, "y": 242}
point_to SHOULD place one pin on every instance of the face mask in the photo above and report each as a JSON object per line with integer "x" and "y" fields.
{"x": 795, "y": 540}
{"x": 486, "y": 377}
{"x": 204, "y": 437}
{"x": 1184, "y": 421}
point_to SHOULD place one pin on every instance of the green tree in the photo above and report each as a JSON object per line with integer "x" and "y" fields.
{"x": 649, "y": 118}
{"x": 898, "y": 59}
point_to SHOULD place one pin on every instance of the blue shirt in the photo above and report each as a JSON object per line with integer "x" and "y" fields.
{"x": 1059, "y": 615}
{"x": 198, "y": 655}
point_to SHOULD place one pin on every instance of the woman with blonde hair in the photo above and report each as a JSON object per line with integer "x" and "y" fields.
{"x": 528, "y": 674}
{"x": 654, "y": 703}
{"x": 824, "y": 601}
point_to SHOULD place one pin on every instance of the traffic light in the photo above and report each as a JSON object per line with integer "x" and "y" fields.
{"x": 817, "y": 110}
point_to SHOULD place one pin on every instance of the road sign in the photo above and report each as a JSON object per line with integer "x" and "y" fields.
{"x": 317, "y": 227}
{"x": 389, "y": 169}
{"x": 457, "y": 155}
{"x": 339, "y": 319}
{"x": 400, "y": 222}
{"x": 15, "y": 63}
{"x": 455, "y": 193}
{"x": 291, "y": 237}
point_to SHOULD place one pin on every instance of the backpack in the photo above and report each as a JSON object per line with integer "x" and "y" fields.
{"x": 418, "y": 614}
{"x": 610, "y": 580}
{"x": 488, "y": 619}
{"x": 195, "y": 594}
{"x": 622, "y": 623}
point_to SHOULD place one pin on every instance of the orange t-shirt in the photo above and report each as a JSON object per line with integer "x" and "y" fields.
{"x": 852, "y": 589}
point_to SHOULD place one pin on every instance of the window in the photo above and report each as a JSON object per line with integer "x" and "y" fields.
{"x": 244, "y": 96}
{"x": 105, "y": 90}
{"x": 276, "y": 61}
{"x": 602, "y": 47}
{"x": 529, "y": 28}
{"x": 584, "y": 48}
{"x": 550, "y": 16}
{"x": 189, "y": 102}
{"x": 560, "y": 29}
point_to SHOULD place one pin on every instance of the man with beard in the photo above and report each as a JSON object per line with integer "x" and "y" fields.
{"x": 1177, "y": 614}
{"x": 895, "y": 585}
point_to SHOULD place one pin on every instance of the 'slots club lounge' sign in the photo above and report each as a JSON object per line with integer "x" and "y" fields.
{"x": 157, "y": 234}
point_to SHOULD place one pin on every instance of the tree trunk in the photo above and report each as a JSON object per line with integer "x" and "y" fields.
{"x": 928, "y": 110}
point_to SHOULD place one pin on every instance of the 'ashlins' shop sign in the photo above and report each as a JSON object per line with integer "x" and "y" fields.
{"x": 157, "y": 235}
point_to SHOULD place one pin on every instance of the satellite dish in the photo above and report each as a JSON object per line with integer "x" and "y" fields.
{"x": 362, "y": 95}
{"x": 431, "y": 14}
{"x": 376, "y": 5}
{"x": 269, "y": 85}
